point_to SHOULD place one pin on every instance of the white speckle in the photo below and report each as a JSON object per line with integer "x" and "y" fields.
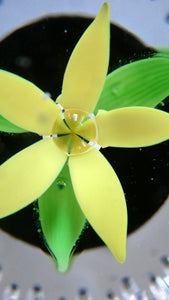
{"x": 75, "y": 116}
{"x": 95, "y": 145}
{"x": 45, "y": 136}
{"x": 61, "y": 107}
{"x": 46, "y": 95}
{"x": 92, "y": 116}
{"x": 54, "y": 135}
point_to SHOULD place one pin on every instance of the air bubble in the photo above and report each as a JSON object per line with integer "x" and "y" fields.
{"x": 162, "y": 103}
{"x": 24, "y": 62}
{"x": 61, "y": 184}
{"x": 116, "y": 89}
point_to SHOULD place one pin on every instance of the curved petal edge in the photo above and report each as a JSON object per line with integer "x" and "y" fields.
{"x": 101, "y": 198}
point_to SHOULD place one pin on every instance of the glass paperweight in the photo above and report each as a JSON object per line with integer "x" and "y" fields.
{"x": 36, "y": 42}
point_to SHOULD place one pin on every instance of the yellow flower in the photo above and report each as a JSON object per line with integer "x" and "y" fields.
{"x": 72, "y": 136}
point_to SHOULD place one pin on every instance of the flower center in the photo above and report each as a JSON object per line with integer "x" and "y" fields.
{"x": 75, "y": 131}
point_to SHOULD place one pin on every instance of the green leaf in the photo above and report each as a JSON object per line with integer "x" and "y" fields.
{"x": 9, "y": 127}
{"x": 141, "y": 83}
{"x": 61, "y": 218}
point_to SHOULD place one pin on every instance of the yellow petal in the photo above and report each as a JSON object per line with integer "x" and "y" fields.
{"x": 132, "y": 127}
{"x": 101, "y": 199}
{"x": 87, "y": 67}
{"x": 28, "y": 174}
{"x": 25, "y": 105}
